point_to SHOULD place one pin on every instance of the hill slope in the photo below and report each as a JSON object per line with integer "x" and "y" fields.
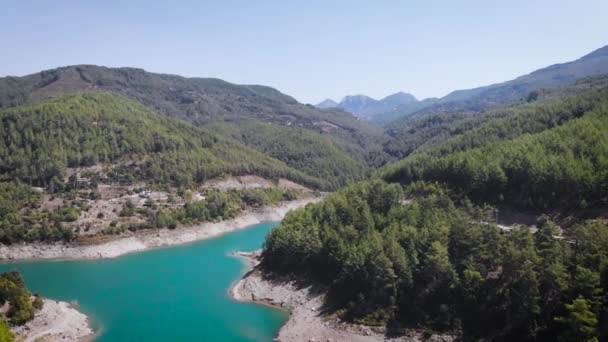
{"x": 202, "y": 101}
{"x": 419, "y": 247}
{"x": 550, "y": 104}
{"x": 483, "y": 98}
{"x": 546, "y": 155}
{"x": 594, "y": 63}
{"x": 38, "y": 142}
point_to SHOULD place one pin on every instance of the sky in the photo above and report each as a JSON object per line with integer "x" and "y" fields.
{"x": 312, "y": 49}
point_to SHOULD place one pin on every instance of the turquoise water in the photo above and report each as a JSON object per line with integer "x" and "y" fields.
{"x": 169, "y": 294}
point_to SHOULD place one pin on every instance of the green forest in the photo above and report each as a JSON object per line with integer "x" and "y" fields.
{"x": 38, "y": 142}
{"x": 417, "y": 245}
{"x": 301, "y": 149}
{"x": 204, "y": 102}
{"x": 448, "y": 132}
{"x": 430, "y": 262}
{"x": 542, "y": 158}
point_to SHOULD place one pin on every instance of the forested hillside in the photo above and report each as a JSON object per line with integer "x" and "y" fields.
{"x": 202, "y": 101}
{"x": 546, "y": 156}
{"x": 301, "y": 149}
{"x": 419, "y": 246}
{"x": 38, "y": 142}
{"x": 114, "y": 140}
{"x": 431, "y": 263}
{"x": 542, "y": 109}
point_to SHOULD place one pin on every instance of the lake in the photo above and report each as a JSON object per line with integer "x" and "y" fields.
{"x": 177, "y": 293}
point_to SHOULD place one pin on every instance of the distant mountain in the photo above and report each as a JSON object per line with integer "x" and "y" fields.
{"x": 398, "y": 99}
{"x": 416, "y": 133}
{"x": 327, "y": 103}
{"x": 401, "y": 106}
{"x": 591, "y": 64}
{"x": 402, "y": 110}
{"x": 368, "y": 108}
{"x": 360, "y": 105}
{"x": 482, "y": 98}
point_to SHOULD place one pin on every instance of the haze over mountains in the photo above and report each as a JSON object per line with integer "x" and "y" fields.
{"x": 369, "y": 108}
{"x": 401, "y": 105}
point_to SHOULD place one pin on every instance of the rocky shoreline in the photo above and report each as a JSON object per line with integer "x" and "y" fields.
{"x": 150, "y": 238}
{"x": 304, "y": 302}
{"x": 56, "y": 321}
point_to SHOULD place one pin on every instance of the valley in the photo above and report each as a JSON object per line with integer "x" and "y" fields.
{"x": 481, "y": 216}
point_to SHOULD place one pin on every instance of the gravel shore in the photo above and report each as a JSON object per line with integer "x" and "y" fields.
{"x": 150, "y": 238}
{"x": 305, "y": 305}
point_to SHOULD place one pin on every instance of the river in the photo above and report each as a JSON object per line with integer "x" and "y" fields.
{"x": 177, "y": 293}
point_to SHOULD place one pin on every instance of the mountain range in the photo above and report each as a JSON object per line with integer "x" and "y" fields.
{"x": 369, "y": 108}
{"x": 401, "y": 105}
{"x": 327, "y": 145}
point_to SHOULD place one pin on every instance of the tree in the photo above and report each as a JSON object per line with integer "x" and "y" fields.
{"x": 581, "y": 323}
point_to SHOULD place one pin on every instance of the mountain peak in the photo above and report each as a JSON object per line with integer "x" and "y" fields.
{"x": 366, "y": 107}
{"x": 400, "y": 98}
{"x": 327, "y": 103}
{"x": 357, "y": 99}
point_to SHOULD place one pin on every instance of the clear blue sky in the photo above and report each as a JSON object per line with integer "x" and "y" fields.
{"x": 309, "y": 49}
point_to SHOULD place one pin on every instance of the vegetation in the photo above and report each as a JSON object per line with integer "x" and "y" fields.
{"x": 423, "y": 255}
{"x": 201, "y": 101}
{"x": 38, "y": 142}
{"x": 429, "y": 264}
{"x": 411, "y": 247}
{"x": 556, "y": 157}
{"x": 444, "y": 133}
{"x": 5, "y": 333}
{"x": 121, "y": 141}
{"x": 215, "y": 206}
{"x": 22, "y": 306}
{"x": 219, "y": 205}
{"x": 19, "y": 221}
{"x": 309, "y": 152}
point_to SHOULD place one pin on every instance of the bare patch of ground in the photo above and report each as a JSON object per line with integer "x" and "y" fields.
{"x": 250, "y": 182}
{"x": 56, "y": 321}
